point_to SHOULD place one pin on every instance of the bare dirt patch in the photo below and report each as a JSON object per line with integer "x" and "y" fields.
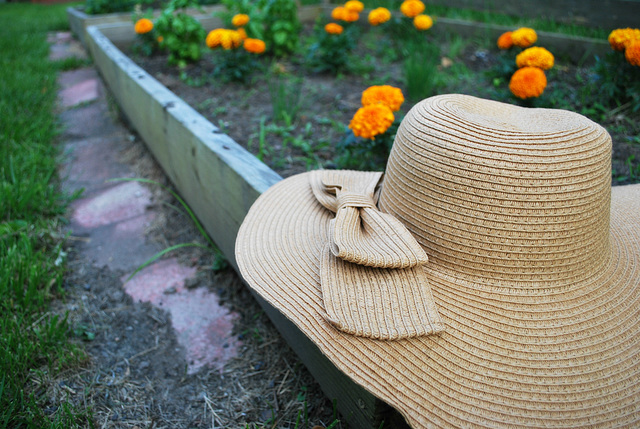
{"x": 136, "y": 374}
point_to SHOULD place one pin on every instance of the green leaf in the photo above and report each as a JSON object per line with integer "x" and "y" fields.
{"x": 280, "y": 37}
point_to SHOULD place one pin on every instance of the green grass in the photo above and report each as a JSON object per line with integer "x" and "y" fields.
{"x": 34, "y": 343}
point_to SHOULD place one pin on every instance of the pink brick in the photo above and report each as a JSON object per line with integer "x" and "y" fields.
{"x": 79, "y": 93}
{"x": 123, "y": 201}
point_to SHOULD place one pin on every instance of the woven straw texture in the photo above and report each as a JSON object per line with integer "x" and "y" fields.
{"x": 536, "y": 281}
{"x": 371, "y": 275}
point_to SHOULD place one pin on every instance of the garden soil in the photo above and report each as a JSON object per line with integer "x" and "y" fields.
{"x": 326, "y": 103}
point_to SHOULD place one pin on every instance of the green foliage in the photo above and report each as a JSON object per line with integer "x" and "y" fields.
{"x": 616, "y": 82}
{"x": 420, "y": 70}
{"x": 331, "y": 52}
{"x": 357, "y": 153}
{"x": 273, "y": 21}
{"x": 235, "y": 65}
{"x": 95, "y": 7}
{"x": 281, "y": 26}
{"x": 285, "y": 94}
{"x": 182, "y": 34}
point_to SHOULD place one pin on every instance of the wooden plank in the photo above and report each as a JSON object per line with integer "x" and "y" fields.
{"x": 79, "y": 21}
{"x": 219, "y": 180}
{"x": 217, "y": 177}
{"x": 580, "y": 50}
{"x": 607, "y": 14}
{"x": 577, "y": 49}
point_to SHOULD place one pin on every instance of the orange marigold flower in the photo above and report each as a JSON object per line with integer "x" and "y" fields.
{"x": 505, "y": 41}
{"x": 354, "y": 5}
{"x": 160, "y": 39}
{"x": 620, "y": 37}
{"x": 255, "y": 46}
{"x": 240, "y": 20}
{"x": 379, "y": 16}
{"x": 632, "y": 53}
{"x": 341, "y": 13}
{"x": 535, "y": 57}
{"x": 383, "y": 94}
{"x": 143, "y": 26}
{"x": 230, "y": 39}
{"x": 370, "y": 121}
{"x": 422, "y": 22}
{"x": 528, "y": 82}
{"x": 333, "y": 28}
{"x": 412, "y": 8}
{"x": 524, "y": 37}
{"x": 350, "y": 16}
{"x": 242, "y": 32}
{"x": 338, "y": 13}
{"x": 214, "y": 38}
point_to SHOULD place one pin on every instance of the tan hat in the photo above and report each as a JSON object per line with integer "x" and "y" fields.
{"x": 490, "y": 278}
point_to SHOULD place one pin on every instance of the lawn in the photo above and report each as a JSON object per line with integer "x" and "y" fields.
{"x": 34, "y": 343}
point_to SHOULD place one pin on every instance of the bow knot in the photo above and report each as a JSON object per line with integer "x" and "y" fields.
{"x": 355, "y": 200}
{"x": 360, "y": 233}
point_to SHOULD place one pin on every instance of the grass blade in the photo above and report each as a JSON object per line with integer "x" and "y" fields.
{"x": 161, "y": 254}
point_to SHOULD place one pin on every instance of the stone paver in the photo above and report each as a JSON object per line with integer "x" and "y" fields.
{"x": 112, "y": 217}
{"x": 82, "y": 92}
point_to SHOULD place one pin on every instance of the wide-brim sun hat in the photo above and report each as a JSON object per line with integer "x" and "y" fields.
{"x": 490, "y": 277}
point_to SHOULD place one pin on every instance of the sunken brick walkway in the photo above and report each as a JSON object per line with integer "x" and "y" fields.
{"x": 113, "y": 216}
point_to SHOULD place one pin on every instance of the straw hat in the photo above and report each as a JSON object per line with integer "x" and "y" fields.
{"x": 491, "y": 278}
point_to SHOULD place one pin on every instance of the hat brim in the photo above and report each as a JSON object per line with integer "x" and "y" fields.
{"x": 537, "y": 360}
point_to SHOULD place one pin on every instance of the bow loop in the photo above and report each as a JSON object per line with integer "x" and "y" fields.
{"x": 360, "y": 233}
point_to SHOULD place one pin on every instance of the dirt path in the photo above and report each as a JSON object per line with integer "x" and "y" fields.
{"x": 179, "y": 345}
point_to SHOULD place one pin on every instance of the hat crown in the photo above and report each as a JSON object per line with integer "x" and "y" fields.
{"x": 501, "y": 194}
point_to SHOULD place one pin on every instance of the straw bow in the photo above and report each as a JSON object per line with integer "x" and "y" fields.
{"x": 360, "y": 233}
{"x": 371, "y": 275}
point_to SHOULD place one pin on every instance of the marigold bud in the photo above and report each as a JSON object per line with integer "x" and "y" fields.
{"x": 370, "y": 121}
{"x": 255, "y": 46}
{"x": 240, "y": 20}
{"x": 383, "y": 94}
{"x": 632, "y": 53}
